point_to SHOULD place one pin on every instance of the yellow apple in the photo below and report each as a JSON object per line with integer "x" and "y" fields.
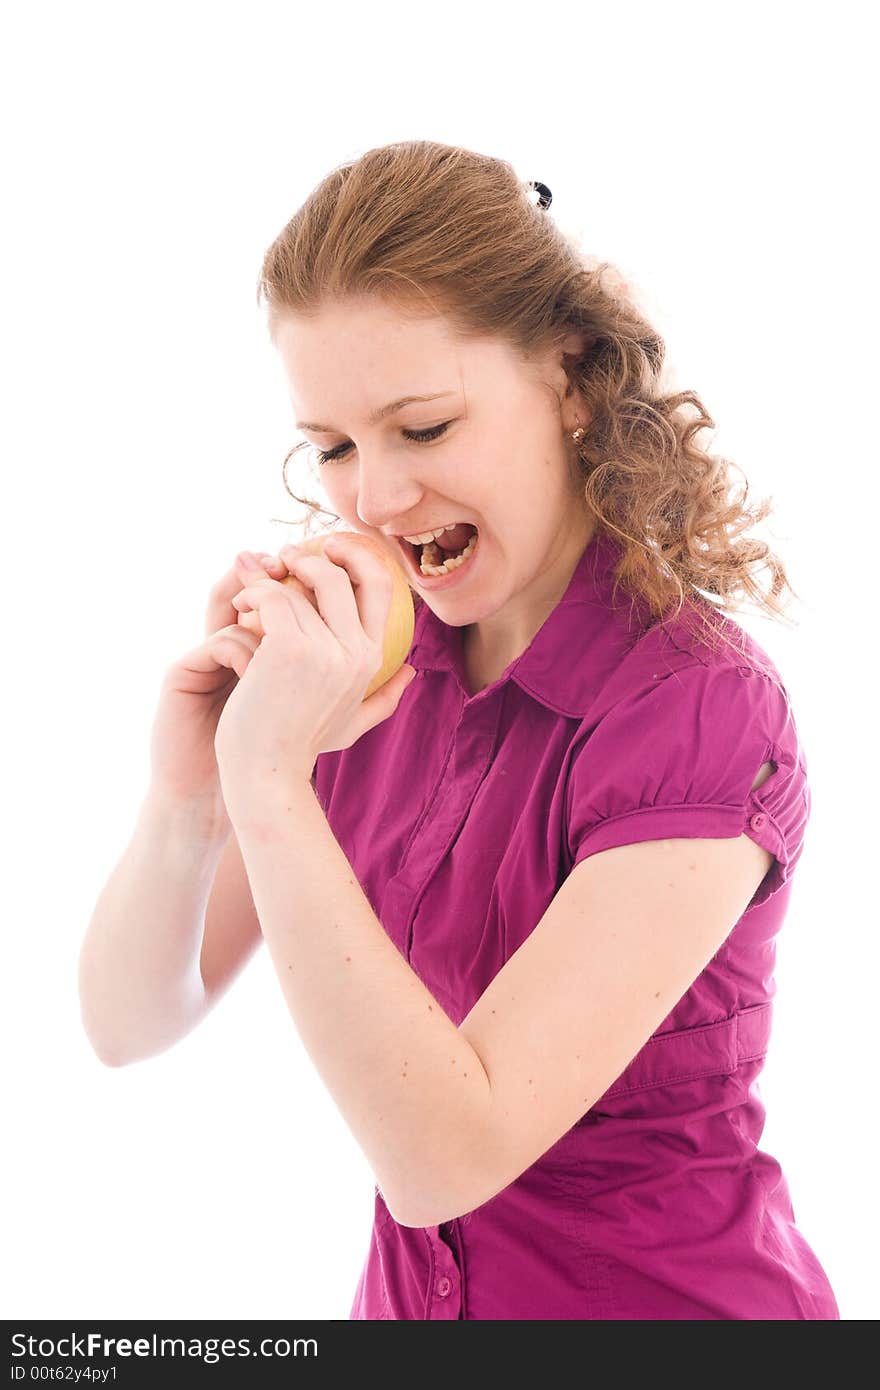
{"x": 401, "y": 615}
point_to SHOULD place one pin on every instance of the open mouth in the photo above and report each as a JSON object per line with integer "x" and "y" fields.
{"x": 431, "y": 561}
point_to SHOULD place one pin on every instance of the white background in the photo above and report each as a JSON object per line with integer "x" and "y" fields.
{"x": 719, "y": 156}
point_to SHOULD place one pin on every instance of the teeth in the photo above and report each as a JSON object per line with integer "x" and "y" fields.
{"x": 430, "y": 535}
{"x": 431, "y": 550}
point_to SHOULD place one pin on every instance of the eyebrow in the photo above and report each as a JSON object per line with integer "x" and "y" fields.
{"x": 376, "y": 415}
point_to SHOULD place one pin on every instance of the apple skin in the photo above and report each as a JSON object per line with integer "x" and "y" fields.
{"x": 400, "y": 625}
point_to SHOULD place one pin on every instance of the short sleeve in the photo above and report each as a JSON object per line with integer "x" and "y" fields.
{"x": 678, "y": 759}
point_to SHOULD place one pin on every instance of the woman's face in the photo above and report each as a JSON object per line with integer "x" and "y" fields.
{"x": 503, "y": 461}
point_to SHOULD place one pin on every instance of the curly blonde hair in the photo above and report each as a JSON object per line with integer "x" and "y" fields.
{"x": 459, "y": 231}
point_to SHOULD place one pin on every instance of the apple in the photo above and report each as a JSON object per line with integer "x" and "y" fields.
{"x": 400, "y": 624}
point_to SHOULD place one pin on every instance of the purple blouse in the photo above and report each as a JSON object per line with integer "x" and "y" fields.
{"x": 462, "y": 815}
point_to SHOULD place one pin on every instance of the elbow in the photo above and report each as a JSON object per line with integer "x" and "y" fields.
{"x": 407, "y": 1206}
{"x": 424, "y": 1205}
{"x": 106, "y": 1056}
{"x": 430, "y": 1213}
{"x": 107, "y": 1059}
{"x": 415, "y": 1215}
{"x": 408, "y": 1213}
{"x": 459, "y": 1172}
{"x": 110, "y": 1061}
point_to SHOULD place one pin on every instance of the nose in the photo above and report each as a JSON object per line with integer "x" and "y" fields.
{"x": 385, "y": 493}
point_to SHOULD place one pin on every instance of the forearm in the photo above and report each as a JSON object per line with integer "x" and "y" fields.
{"x": 409, "y": 1085}
{"x": 139, "y": 978}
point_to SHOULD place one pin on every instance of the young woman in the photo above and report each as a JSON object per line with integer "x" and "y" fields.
{"x": 522, "y": 901}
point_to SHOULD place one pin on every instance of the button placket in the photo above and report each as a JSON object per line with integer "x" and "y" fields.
{"x": 471, "y": 753}
{"x": 445, "y": 1301}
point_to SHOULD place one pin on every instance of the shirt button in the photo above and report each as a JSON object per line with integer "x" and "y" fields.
{"x": 444, "y": 1286}
{"x": 758, "y": 821}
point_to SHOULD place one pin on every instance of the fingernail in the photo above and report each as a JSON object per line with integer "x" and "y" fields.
{"x": 248, "y": 561}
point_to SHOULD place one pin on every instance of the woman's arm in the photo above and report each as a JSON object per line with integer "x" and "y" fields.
{"x": 139, "y": 983}
{"x": 448, "y": 1116}
{"x": 409, "y": 1085}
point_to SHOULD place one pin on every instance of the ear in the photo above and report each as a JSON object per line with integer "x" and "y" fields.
{"x": 573, "y": 347}
{"x": 575, "y": 343}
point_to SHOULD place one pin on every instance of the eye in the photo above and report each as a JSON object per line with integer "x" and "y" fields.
{"x": 418, "y": 437}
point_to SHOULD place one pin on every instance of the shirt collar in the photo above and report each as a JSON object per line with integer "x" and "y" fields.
{"x": 573, "y": 652}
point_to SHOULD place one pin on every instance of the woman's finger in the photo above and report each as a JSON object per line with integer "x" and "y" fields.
{"x": 219, "y": 612}
{"x": 369, "y": 585}
{"x": 278, "y": 608}
{"x": 231, "y": 647}
{"x": 227, "y": 651}
{"x": 336, "y": 605}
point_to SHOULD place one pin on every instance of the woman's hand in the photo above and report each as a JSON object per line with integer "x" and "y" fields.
{"x": 194, "y": 691}
{"x": 302, "y": 691}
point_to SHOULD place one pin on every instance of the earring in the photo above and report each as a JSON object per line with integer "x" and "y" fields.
{"x": 578, "y": 434}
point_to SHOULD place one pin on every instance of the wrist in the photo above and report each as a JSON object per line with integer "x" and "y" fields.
{"x": 269, "y": 805}
{"x": 202, "y": 819}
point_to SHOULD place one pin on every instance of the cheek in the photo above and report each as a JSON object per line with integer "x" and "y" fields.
{"x": 341, "y": 493}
